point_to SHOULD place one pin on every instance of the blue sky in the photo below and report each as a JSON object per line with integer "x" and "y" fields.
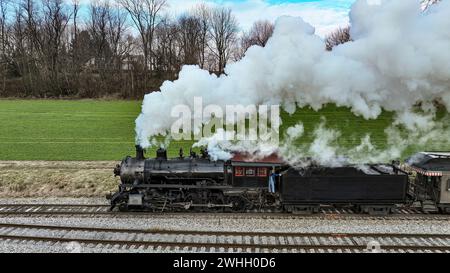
{"x": 325, "y": 15}
{"x": 327, "y": 3}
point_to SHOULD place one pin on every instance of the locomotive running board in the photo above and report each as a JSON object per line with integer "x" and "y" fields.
{"x": 191, "y": 205}
{"x": 156, "y": 186}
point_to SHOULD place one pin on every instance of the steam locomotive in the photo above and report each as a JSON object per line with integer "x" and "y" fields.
{"x": 243, "y": 184}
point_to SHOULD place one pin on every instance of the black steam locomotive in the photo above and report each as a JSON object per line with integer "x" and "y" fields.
{"x": 242, "y": 184}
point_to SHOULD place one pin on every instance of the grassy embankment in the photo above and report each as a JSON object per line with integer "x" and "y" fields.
{"x": 104, "y": 130}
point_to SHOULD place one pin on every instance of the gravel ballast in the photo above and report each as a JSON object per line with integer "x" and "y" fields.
{"x": 202, "y": 222}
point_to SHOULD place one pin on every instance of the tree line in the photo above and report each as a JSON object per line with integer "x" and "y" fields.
{"x": 120, "y": 48}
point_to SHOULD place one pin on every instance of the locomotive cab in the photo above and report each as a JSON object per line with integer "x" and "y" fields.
{"x": 254, "y": 173}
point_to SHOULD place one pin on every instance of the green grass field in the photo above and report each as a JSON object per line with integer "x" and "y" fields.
{"x": 66, "y": 130}
{"x": 104, "y": 130}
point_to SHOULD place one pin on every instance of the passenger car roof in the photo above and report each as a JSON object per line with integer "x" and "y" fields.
{"x": 431, "y": 161}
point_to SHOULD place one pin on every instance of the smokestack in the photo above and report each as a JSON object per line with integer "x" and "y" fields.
{"x": 139, "y": 153}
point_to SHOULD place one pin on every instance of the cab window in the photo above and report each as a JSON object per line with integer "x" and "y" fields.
{"x": 262, "y": 172}
{"x": 250, "y": 172}
{"x": 239, "y": 171}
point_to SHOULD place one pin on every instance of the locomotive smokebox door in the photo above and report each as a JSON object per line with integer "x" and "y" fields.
{"x": 135, "y": 200}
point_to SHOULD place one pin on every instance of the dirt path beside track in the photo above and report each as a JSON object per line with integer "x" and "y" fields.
{"x": 56, "y": 179}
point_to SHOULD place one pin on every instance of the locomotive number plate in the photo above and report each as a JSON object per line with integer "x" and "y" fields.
{"x": 135, "y": 200}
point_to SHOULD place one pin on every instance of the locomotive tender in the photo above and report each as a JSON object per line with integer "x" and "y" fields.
{"x": 196, "y": 183}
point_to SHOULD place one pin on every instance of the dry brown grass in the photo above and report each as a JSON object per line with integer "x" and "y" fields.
{"x": 56, "y": 179}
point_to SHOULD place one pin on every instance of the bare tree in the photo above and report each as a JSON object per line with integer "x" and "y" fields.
{"x": 3, "y": 25}
{"x": 56, "y": 17}
{"x": 107, "y": 37}
{"x": 259, "y": 34}
{"x": 337, "y": 37}
{"x": 203, "y": 13}
{"x": 428, "y": 3}
{"x": 30, "y": 54}
{"x": 168, "y": 48}
{"x": 146, "y": 16}
{"x": 223, "y": 31}
{"x": 98, "y": 29}
{"x": 190, "y": 31}
{"x": 3, "y": 42}
{"x": 75, "y": 33}
{"x": 18, "y": 37}
{"x": 117, "y": 27}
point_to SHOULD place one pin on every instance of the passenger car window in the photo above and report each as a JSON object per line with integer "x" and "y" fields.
{"x": 448, "y": 185}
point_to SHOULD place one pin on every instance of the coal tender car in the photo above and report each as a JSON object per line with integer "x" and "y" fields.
{"x": 242, "y": 184}
{"x": 374, "y": 189}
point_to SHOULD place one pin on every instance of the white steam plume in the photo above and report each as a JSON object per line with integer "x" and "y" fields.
{"x": 325, "y": 149}
{"x": 399, "y": 57}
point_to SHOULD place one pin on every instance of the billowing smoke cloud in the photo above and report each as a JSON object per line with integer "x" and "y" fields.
{"x": 326, "y": 150}
{"x": 399, "y": 59}
{"x": 220, "y": 149}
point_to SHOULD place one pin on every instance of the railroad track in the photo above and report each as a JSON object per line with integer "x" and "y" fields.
{"x": 100, "y": 210}
{"x": 218, "y": 241}
{"x": 52, "y": 209}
